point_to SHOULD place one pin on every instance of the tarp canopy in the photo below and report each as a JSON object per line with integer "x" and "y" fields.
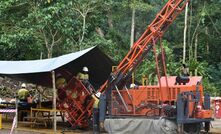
{"x": 39, "y": 71}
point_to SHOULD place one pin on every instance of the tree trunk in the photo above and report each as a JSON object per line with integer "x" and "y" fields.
{"x": 184, "y": 34}
{"x": 189, "y": 29}
{"x": 41, "y": 55}
{"x": 196, "y": 45}
{"x": 132, "y": 28}
{"x": 83, "y": 31}
{"x": 110, "y": 19}
{"x": 195, "y": 51}
{"x": 207, "y": 44}
{"x": 49, "y": 53}
{"x": 194, "y": 34}
{"x": 132, "y": 36}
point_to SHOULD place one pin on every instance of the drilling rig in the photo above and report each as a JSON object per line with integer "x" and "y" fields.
{"x": 184, "y": 105}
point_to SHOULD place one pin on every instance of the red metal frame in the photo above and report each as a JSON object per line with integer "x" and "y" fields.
{"x": 76, "y": 104}
{"x": 145, "y": 98}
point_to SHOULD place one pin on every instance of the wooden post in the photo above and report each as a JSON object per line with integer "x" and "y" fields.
{"x": 40, "y": 96}
{"x": 0, "y": 121}
{"x": 54, "y": 101}
{"x": 16, "y": 113}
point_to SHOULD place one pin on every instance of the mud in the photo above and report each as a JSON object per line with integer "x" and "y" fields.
{"x": 215, "y": 129}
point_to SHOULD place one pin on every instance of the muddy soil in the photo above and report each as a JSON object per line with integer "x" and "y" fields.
{"x": 215, "y": 129}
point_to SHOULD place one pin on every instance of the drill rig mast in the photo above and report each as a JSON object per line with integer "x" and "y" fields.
{"x": 142, "y": 46}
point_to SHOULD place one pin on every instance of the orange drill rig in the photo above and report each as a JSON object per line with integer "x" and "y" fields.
{"x": 186, "y": 104}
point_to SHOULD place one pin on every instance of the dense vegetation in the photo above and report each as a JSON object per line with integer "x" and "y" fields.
{"x": 30, "y": 29}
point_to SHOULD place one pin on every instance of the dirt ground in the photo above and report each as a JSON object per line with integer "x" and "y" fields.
{"x": 215, "y": 129}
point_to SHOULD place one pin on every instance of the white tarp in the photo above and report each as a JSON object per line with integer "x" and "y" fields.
{"x": 36, "y": 66}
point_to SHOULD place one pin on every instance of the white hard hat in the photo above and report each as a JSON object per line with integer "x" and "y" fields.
{"x": 132, "y": 85}
{"x": 23, "y": 85}
{"x": 98, "y": 94}
{"x": 85, "y": 69}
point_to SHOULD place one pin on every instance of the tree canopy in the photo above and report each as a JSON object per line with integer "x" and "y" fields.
{"x": 47, "y": 28}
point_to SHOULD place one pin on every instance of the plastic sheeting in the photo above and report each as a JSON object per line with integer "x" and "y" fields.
{"x": 38, "y": 66}
{"x": 140, "y": 126}
{"x": 39, "y": 71}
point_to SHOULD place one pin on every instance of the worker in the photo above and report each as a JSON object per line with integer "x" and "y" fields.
{"x": 23, "y": 93}
{"x": 60, "y": 81}
{"x": 83, "y": 75}
{"x": 84, "y": 78}
{"x": 96, "y": 127}
{"x": 184, "y": 76}
{"x": 60, "y": 85}
{"x": 185, "y": 71}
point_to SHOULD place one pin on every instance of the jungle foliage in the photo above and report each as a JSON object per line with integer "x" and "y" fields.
{"x": 30, "y": 28}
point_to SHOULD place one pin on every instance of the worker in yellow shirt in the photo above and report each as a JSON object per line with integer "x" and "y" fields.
{"x": 23, "y": 93}
{"x": 84, "y": 78}
{"x": 60, "y": 84}
{"x": 60, "y": 81}
{"x": 96, "y": 98}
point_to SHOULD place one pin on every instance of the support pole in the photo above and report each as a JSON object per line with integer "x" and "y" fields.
{"x": 54, "y": 101}
{"x": 16, "y": 113}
